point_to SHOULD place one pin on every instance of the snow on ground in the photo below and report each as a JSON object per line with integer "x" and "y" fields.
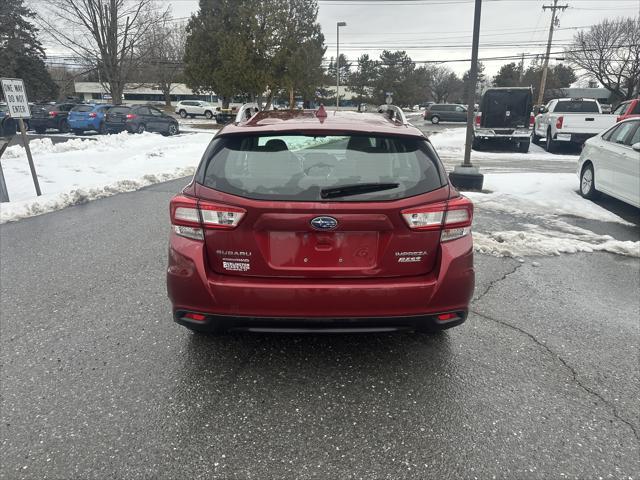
{"x": 539, "y": 193}
{"x": 81, "y": 170}
{"x": 450, "y": 147}
{"x": 544, "y": 197}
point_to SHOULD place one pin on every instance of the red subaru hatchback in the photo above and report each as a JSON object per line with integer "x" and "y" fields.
{"x": 307, "y": 221}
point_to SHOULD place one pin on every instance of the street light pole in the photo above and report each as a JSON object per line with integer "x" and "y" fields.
{"x": 338, "y": 25}
{"x": 466, "y": 176}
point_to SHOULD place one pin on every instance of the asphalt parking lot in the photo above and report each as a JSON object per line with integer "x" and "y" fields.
{"x": 98, "y": 382}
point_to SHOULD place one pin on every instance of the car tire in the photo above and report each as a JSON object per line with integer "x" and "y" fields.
{"x": 63, "y": 127}
{"x": 182, "y": 113}
{"x": 77, "y": 131}
{"x": 477, "y": 144}
{"x": 435, "y": 119}
{"x": 40, "y": 131}
{"x": 208, "y": 115}
{"x": 535, "y": 139}
{"x": 141, "y": 128}
{"x": 172, "y": 129}
{"x": 550, "y": 146}
{"x": 523, "y": 146}
{"x": 587, "y": 182}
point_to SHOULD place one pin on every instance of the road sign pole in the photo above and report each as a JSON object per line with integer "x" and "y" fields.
{"x": 4, "y": 194}
{"x": 32, "y": 167}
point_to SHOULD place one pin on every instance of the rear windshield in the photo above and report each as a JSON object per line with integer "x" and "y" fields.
{"x": 82, "y": 108}
{"x": 119, "y": 110}
{"x": 576, "y": 106}
{"x": 299, "y": 167}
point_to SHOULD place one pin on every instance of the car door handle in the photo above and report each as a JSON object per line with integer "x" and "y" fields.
{"x": 589, "y": 119}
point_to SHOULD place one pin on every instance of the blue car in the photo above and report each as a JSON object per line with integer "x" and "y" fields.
{"x": 88, "y": 117}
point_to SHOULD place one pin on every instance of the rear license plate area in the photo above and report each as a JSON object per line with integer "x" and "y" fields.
{"x": 329, "y": 250}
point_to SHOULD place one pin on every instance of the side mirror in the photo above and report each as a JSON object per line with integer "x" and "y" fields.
{"x": 636, "y": 147}
{"x": 542, "y": 110}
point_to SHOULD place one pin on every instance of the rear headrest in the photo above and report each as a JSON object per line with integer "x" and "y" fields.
{"x": 276, "y": 145}
{"x": 360, "y": 144}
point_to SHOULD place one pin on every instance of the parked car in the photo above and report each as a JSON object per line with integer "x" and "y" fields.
{"x": 302, "y": 221}
{"x": 505, "y": 115}
{"x": 446, "y": 112}
{"x": 8, "y": 125}
{"x": 610, "y": 163}
{"x": 192, "y": 108}
{"x": 88, "y": 117}
{"x": 225, "y": 115}
{"x": 569, "y": 120}
{"x": 139, "y": 119}
{"x": 628, "y": 109}
{"x": 46, "y": 116}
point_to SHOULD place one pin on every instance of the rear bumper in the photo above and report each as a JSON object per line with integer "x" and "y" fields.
{"x": 213, "y": 323}
{"x": 487, "y": 134}
{"x": 44, "y": 123}
{"x": 578, "y": 138}
{"x": 85, "y": 124}
{"x": 193, "y": 288}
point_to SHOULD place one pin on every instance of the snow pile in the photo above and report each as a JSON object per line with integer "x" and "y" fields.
{"x": 541, "y": 241}
{"x": 540, "y": 194}
{"x": 78, "y": 171}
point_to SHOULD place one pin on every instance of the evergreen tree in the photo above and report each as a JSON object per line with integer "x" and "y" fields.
{"x": 363, "y": 79}
{"x": 21, "y": 53}
{"x": 395, "y": 68}
{"x": 508, "y": 76}
{"x": 300, "y": 48}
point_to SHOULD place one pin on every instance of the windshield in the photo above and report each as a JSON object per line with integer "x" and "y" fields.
{"x": 576, "y": 106}
{"x": 301, "y": 167}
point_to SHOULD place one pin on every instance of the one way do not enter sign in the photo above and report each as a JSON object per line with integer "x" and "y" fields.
{"x": 16, "y": 97}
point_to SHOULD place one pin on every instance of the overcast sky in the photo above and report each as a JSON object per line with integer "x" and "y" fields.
{"x": 442, "y": 29}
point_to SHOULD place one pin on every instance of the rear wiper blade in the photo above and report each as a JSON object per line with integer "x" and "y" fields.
{"x": 356, "y": 189}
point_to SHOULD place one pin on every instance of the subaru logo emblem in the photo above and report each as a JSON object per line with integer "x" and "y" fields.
{"x": 324, "y": 223}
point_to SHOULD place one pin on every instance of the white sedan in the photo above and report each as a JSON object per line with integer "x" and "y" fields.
{"x": 610, "y": 163}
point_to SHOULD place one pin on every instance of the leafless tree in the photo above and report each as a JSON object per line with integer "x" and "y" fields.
{"x": 610, "y": 52}
{"x": 164, "y": 47}
{"x": 105, "y": 34}
{"x": 445, "y": 85}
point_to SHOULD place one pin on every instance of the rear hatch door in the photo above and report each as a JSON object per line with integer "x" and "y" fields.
{"x": 117, "y": 115}
{"x": 289, "y": 230}
{"x": 506, "y": 108}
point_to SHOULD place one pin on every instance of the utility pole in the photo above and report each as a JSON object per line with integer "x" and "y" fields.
{"x": 467, "y": 176}
{"x": 545, "y": 67}
{"x": 338, "y": 25}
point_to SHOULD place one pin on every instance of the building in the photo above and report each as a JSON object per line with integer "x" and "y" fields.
{"x": 135, "y": 93}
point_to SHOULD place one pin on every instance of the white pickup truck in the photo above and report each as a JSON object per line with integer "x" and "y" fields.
{"x": 570, "y": 120}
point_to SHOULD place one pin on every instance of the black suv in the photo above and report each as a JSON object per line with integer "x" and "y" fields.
{"x": 140, "y": 119}
{"x": 51, "y": 116}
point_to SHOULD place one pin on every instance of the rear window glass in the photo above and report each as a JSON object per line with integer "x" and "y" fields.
{"x": 300, "y": 167}
{"x": 119, "y": 110}
{"x": 82, "y": 108}
{"x": 636, "y": 109}
{"x": 576, "y": 106}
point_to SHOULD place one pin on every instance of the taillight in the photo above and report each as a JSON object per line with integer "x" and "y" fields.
{"x": 190, "y": 216}
{"x": 93, "y": 115}
{"x": 619, "y": 118}
{"x": 453, "y": 218}
{"x": 559, "y": 123}
{"x": 532, "y": 120}
{"x": 131, "y": 116}
{"x": 53, "y": 114}
{"x": 478, "y": 118}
